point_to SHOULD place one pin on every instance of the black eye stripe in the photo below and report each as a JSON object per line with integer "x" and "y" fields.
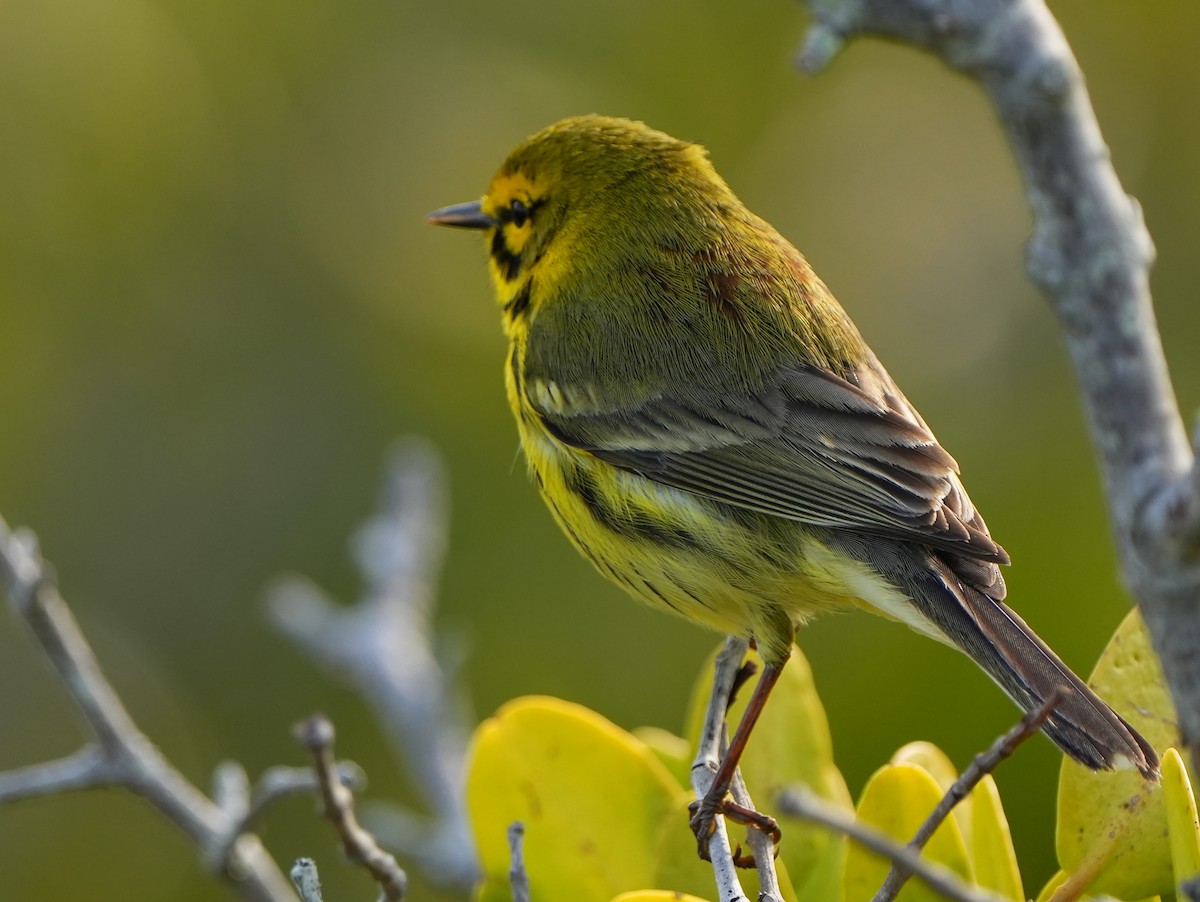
{"x": 518, "y": 212}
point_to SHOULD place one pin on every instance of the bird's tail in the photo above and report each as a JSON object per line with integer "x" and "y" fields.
{"x": 999, "y": 641}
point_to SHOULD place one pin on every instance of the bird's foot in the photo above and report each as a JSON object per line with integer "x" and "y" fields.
{"x": 704, "y": 813}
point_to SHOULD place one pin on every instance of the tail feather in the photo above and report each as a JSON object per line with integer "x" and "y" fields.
{"x": 999, "y": 641}
{"x": 1082, "y": 724}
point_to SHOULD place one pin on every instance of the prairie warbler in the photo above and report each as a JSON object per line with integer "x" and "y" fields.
{"x": 711, "y": 431}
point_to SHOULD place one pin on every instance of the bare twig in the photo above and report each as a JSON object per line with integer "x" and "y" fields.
{"x": 803, "y": 803}
{"x": 88, "y": 768}
{"x": 245, "y": 806}
{"x": 121, "y": 755}
{"x": 317, "y": 735}
{"x": 983, "y": 763}
{"x": 384, "y": 646}
{"x": 1091, "y": 254}
{"x": 518, "y": 877}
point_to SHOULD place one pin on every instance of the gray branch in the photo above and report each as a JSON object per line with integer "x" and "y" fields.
{"x": 337, "y": 804}
{"x": 518, "y": 877}
{"x": 384, "y": 647}
{"x": 1090, "y": 252}
{"x": 709, "y": 751}
{"x": 245, "y": 805}
{"x": 121, "y": 754}
{"x": 307, "y": 880}
{"x": 762, "y": 847}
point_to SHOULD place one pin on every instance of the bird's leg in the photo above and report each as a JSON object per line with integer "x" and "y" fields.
{"x": 715, "y": 802}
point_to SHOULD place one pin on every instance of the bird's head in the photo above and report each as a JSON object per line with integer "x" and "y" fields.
{"x": 588, "y": 192}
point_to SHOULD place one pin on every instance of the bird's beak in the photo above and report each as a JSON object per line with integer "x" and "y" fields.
{"x": 463, "y": 216}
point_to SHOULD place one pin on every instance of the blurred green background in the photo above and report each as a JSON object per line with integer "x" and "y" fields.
{"x": 219, "y": 305}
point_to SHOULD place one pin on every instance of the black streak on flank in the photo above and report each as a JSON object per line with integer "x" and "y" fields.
{"x": 692, "y": 595}
{"x": 508, "y": 262}
{"x": 659, "y": 595}
{"x": 635, "y": 523}
{"x": 518, "y": 305}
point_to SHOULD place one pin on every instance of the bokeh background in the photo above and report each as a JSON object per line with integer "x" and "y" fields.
{"x": 219, "y": 306}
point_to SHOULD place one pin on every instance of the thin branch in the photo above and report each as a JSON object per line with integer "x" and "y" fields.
{"x": 246, "y": 806}
{"x": 518, "y": 877}
{"x": 803, "y": 803}
{"x": 88, "y": 768}
{"x": 984, "y": 763}
{"x": 384, "y": 646}
{"x": 761, "y": 845}
{"x": 121, "y": 755}
{"x": 317, "y": 736}
{"x": 1090, "y": 252}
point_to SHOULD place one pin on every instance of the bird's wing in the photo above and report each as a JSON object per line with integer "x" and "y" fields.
{"x": 811, "y": 446}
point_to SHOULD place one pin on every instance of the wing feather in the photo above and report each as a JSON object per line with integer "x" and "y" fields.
{"x": 811, "y": 446}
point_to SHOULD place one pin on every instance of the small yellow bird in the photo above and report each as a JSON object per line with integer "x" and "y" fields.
{"x": 711, "y": 431}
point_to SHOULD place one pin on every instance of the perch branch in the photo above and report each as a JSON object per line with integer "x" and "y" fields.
{"x": 704, "y": 768}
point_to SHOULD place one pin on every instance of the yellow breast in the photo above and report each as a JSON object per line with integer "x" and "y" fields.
{"x": 671, "y": 548}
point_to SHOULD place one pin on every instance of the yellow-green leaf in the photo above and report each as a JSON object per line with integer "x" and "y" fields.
{"x": 896, "y": 800}
{"x": 938, "y": 765}
{"x": 1064, "y": 887}
{"x": 591, "y": 796}
{"x": 993, "y": 858}
{"x": 673, "y": 751}
{"x": 932, "y": 759}
{"x": 493, "y": 889}
{"x": 656, "y": 895}
{"x": 1052, "y": 886}
{"x": 980, "y": 818}
{"x": 790, "y": 745}
{"x": 1112, "y": 826}
{"x": 1182, "y": 824}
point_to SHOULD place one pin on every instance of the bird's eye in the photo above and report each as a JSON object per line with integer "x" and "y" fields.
{"x": 520, "y": 213}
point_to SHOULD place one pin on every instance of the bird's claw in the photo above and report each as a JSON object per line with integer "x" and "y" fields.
{"x": 703, "y": 823}
{"x": 704, "y": 813}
